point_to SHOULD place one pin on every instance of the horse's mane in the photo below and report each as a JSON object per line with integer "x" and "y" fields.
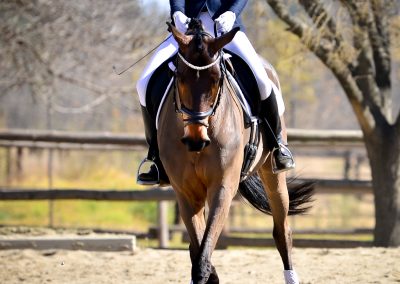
{"x": 196, "y": 29}
{"x": 195, "y": 25}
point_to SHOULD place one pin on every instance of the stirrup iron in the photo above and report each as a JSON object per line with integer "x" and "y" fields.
{"x": 274, "y": 167}
{"x": 146, "y": 160}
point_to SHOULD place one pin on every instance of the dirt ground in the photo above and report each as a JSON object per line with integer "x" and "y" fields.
{"x": 361, "y": 265}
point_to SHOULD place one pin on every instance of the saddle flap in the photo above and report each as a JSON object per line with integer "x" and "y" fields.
{"x": 245, "y": 80}
{"x": 158, "y": 87}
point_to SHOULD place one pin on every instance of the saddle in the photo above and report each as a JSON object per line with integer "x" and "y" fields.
{"x": 241, "y": 79}
{"x": 239, "y": 74}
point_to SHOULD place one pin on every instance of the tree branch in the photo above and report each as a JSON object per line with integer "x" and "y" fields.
{"x": 95, "y": 88}
{"x": 355, "y": 17}
{"x": 328, "y": 30}
{"x": 372, "y": 58}
{"x": 369, "y": 19}
{"x": 380, "y": 43}
{"x": 332, "y": 60}
{"x": 378, "y": 31}
{"x": 321, "y": 18}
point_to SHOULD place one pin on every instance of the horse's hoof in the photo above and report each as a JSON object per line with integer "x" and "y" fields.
{"x": 201, "y": 281}
{"x": 213, "y": 279}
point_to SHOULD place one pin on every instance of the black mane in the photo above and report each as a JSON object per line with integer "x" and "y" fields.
{"x": 195, "y": 25}
{"x": 196, "y": 28}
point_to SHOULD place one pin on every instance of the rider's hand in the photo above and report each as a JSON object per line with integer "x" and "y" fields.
{"x": 181, "y": 21}
{"x": 225, "y": 22}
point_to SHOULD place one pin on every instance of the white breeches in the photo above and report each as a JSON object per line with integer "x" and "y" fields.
{"x": 240, "y": 45}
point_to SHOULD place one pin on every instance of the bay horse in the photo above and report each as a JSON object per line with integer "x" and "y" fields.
{"x": 201, "y": 137}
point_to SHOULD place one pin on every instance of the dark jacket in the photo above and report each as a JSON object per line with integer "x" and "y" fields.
{"x": 192, "y": 8}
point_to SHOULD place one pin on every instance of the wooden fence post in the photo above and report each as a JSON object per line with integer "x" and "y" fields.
{"x": 163, "y": 230}
{"x": 357, "y": 167}
{"x": 8, "y": 166}
{"x": 19, "y": 163}
{"x": 50, "y": 186}
{"x": 347, "y": 165}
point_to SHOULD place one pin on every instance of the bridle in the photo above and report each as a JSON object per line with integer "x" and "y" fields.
{"x": 198, "y": 117}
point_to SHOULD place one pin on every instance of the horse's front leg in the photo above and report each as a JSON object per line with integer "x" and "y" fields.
{"x": 191, "y": 209}
{"x": 277, "y": 192}
{"x": 219, "y": 199}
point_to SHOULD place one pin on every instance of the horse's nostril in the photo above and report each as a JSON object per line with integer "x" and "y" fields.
{"x": 195, "y": 146}
{"x": 184, "y": 140}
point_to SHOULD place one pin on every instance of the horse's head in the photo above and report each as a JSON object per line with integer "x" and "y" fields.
{"x": 198, "y": 80}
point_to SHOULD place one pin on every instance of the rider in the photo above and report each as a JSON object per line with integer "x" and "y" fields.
{"x": 226, "y": 15}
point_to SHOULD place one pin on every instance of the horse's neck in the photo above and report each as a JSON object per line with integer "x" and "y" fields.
{"x": 229, "y": 112}
{"x": 231, "y": 95}
{"x": 169, "y": 122}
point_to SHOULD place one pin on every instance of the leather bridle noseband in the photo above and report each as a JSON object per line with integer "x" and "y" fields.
{"x": 198, "y": 117}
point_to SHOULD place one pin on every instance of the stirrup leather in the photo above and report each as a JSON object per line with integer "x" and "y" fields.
{"x": 138, "y": 181}
{"x": 275, "y": 169}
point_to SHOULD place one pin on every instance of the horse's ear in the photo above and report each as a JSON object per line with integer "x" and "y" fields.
{"x": 219, "y": 42}
{"x": 182, "y": 39}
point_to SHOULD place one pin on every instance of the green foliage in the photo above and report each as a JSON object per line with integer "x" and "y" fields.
{"x": 87, "y": 170}
{"x": 32, "y": 213}
{"x": 101, "y": 214}
{"x": 148, "y": 210}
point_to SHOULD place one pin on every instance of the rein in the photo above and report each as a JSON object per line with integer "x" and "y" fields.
{"x": 199, "y": 117}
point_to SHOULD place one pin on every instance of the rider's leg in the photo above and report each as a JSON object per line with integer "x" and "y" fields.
{"x": 156, "y": 173}
{"x": 282, "y": 157}
{"x": 270, "y": 112}
{"x": 167, "y": 49}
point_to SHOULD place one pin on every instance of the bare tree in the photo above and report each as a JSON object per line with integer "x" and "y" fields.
{"x": 62, "y": 53}
{"x": 352, "y": 39}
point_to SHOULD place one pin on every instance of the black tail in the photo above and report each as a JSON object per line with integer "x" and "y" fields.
{"x": 300, "y": 195}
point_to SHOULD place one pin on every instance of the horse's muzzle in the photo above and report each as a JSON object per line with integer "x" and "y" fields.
{"x": 195, "y": 146}
{"x": 195, "y": 137}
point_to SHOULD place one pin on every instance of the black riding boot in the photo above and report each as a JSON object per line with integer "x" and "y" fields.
{"x": 156, "y": 174}
{"x": 282, "y": 158}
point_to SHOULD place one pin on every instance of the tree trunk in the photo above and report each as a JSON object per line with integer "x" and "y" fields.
{"x": 365, "y": 78}
{"x": 383, "y": 149}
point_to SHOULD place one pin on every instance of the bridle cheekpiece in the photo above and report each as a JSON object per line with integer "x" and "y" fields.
{"x": 198, "y": 117}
